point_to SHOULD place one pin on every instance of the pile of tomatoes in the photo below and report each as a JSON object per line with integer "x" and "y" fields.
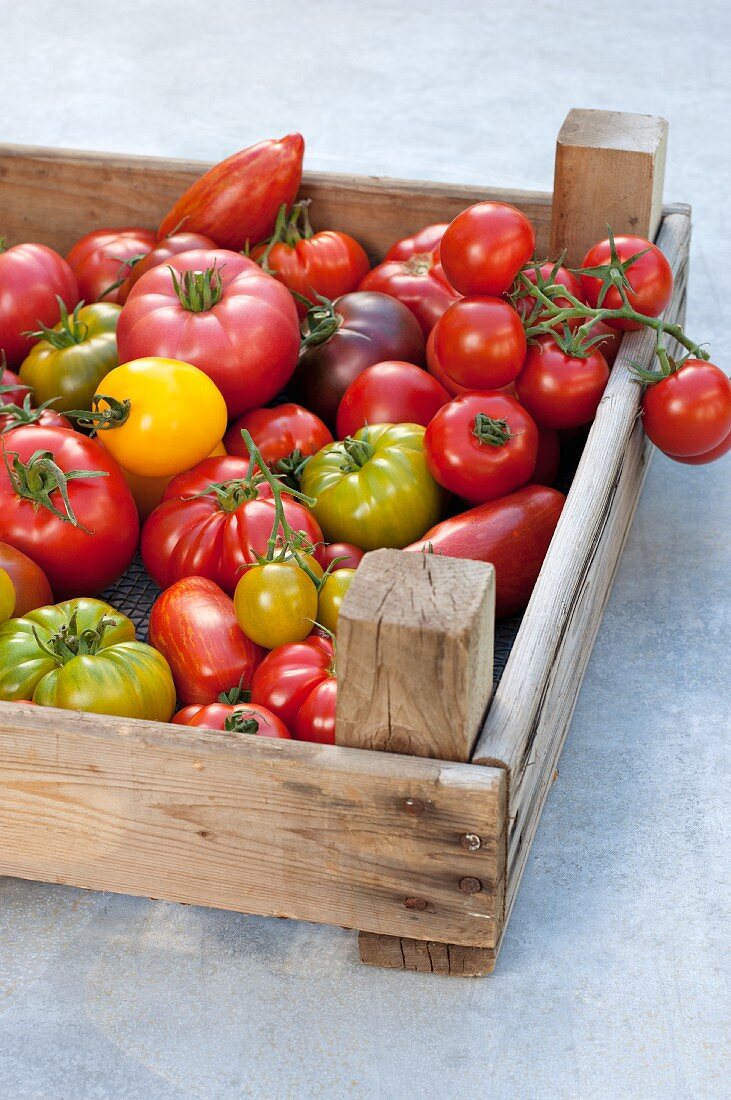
{"x": 428, "y": 403}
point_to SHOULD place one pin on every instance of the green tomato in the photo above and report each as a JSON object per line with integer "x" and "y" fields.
{"x": 374, "y": 489}
{"x": 7, "y": 596}
{"x": 82, "y": 655}
{"x": 276, "y": 603}
{"x": 331, "y": 596}
{"x": 70, "y": 359}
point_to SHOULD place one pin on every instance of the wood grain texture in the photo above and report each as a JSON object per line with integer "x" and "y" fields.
{"x": 609, "y": 171}
{"x": 361, "y": 839}
{"x": 55, "y": 195}
{"x": 426, "y": 956}
{"x": 415, "y": 654}
{"x": 530, "y": 713}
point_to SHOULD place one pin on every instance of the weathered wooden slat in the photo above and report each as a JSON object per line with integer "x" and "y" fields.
{"x": 361, "y": 839}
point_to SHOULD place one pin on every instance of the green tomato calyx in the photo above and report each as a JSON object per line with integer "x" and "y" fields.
{"x": 198, "y": 291}
{"x": 67, "y": 333}
{"x": 356, "y": 453}
{"x": 68, "y": 642}
{"x": 114, "y": 415}
{"x": 235, "y": 695}
{"x": 16, "y": 416}
{"x": 41, "y": 476}
{"x": 486, "y": 429}
{"x": 241, "y": 721}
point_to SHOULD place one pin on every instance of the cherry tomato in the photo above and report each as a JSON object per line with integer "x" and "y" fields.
{"x": 718, "y": 451}
{"x": 238, "y": 718}
{"x": 331, "y": 596}
{"x": 344, "y": 554}
{"x": 689, "y": 413}
{"x": 286, "y": 677}
{"x": 100, "y": 258}
{"x": 419, "y": 282}
{"x": 650, "y": 279}
{"x": 561, "y": 390}
{"x": 562, "y": 276}
{"x": 276, "y": 603}
{"x": 220, "y": 312}
{"x": 390, "y": 393}
{"x": 193, "y": 625}
{"x": 7, "y": 596}
{"x": 176, "y": 416}
{"x": 160, "y": 254}
{"x": 31, "y": 585}
{"x": 284, "y": 434}
{"x": 485, "y": 247}
{"x": 481, "y": 446}
{"x": 12, "y": 390}
{"x": 548, "y": 458}
{"x": 24, "y": 415}
{"x": 436, "y": 371}
{"x": 32, "y": 278}
{"x": 480, "y": 342}
{"x": 427, "y": 239}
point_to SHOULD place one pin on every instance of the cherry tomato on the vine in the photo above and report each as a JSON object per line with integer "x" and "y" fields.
{"x": 563, "y": 277}
{"x": 343, "y": 554}
{"x": 560, "y": 390}
{"x": 688, "y": 413}
{"x": 485, "y": 246}
{"x": 480, "y": 343}
{"x": 650, "y": 279}
{"x": 276, "y": 603}
{"x": 331, "y": 597}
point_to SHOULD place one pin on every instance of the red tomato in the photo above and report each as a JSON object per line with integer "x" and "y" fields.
{"x": 480, "y": 343}
{"x": 194, "y": 626}
{"x": 31, "y": 585}
{"x": 367, "y": 328}
{"x": 485, "y": 247}
{"x": 212, "y": 522}
{"x": 31, "y": 276}
{"x": 293, "y": 679}
{"x": 689, "y": 412}
{"x": 12, "y": 390}
{"x": 23, "y": 415}
{"x": 650, "y": 279}
{"x": 344, "y": 554}
{"x": 390, "y": 393}
{"x": 548, "y": 458}
{"x": 79, "y": 558}
{"x": 100, "y": 258}
{"x": 278, "y": 433}
{"x": 427, "y": 239}
{"x": 310, "y": 264}
{"x": 160, "y": 254}
{"x": 481, "y": 446}
{"x": 525, "y": 306}
{"x": 236, "y": 718}
{"x": 436, "y": 371}
{"x": 513, "y": 533}
{"x": 560, "y": 390}
{"x": 718, "y": 451}
{"x": 419, "y": 282}
{"x": 227, "y": 318}
{"x": 238, "y": 200}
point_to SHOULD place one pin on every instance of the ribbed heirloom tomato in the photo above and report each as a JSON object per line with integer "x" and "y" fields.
{"x": 100, "y": 258}
{"x": 213, "y": 521}
{"x": 32, "y": 278}
{"x": 220, "y": 312}
{"x": 297, "y": 682}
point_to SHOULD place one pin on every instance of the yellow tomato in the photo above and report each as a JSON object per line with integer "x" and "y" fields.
{"x": 275, "y": 603}
{"x": 7, "y": 596}
{"x": 148, "y": 491}
{"x": 176, "y": 416}
{"x": 331, "y": 597}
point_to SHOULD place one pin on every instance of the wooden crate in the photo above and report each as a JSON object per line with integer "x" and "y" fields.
{"x": 420, "y": 844}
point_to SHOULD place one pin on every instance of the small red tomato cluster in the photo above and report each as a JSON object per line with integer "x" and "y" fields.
{"x": 244, "y": 400}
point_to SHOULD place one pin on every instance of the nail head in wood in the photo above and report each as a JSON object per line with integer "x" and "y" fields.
{"x": 415, "y": 652}
{"x": 470, "y": 841}
{"x": 470, "y": 885}
{"x": 414, "y": 806}
{"x": 415, "y": 903}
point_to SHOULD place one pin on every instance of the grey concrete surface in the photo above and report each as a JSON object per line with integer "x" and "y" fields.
{"x": 611, "y": 980}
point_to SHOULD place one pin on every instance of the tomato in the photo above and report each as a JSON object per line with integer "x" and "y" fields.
{"x": 239, "y": 718}
{"x": 238, "y": 200}
{"x": 193, "y": 625}
{"x": 485, "y": 246}
{"x": 284, "y": 435}
{"x": 650, "y": 279}
{"x": 365, "y": 328}
{"x": 343, "y": 554}
{"x": 18, "y": 416}
{"x": 70, "y": 359}
{"x": 418, "y": 281}
{"x": 297, "y": 683}
{"x": 83, "y": 545}
{"x": 427, "y": 239}
{"x": 31, "y": 585}
{"x": 164, "y": 416}
{"x": 276, "y": 603}
{"x": 480, "y": 342}
{"x": 561, "y": 390}
{"x": 328, "y": 263}
{"x": 548, "y": 458}
{"x": 220, "y": 312}
{"x": 375, "y": 488}
{"x": 513, "y": 533}
{"x": 689, "y": 413}
{"x": 331, "y": 596}
{"x": 7, "y": 596}
{"x": 436, "y": 371}
{"x": 32, "y": 278}
{"x": 82, "y": 655}
{"x": 530, "y": 309}
{"x": 163, "y": 251}
{"x": 12, "y": 390}
{"x": 718, "y": 451}
{"x": 101, "y": 258}
{"x": 212, "y": 522}
{"x": 390, "y": 393}
{"x": 149, "y": 491}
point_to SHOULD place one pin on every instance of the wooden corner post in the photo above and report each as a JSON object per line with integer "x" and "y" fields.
{"x": 609, "y": 171}
{"x": 415, "y": 655}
